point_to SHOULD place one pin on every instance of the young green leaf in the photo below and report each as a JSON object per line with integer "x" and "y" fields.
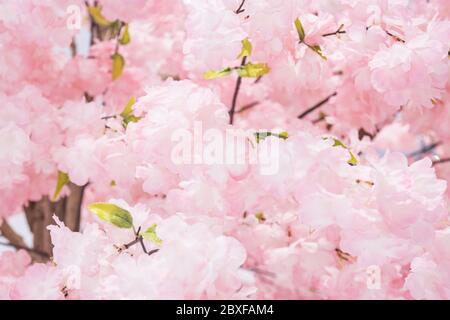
{"x": 150, "y": 234}
{"x": 128, "y": 110}
{"x": 63, "y": 179}
{"x": 96, "y": 14}
{"x": 117, "y": 65}
{"x": 300, "y": 30}
{"x": 130, "y": 118}
{"x": 246, "y": 49}
{"x": 125, "y": 38}
{"x": 127, "y": 113}
{"x": 353, "y": 161}
{"x": 213, "y": 74}
{"x": 283, "y": 135}
{"x": 253, "y": 70}
{"x": 113, "y": 214}
{"x": 318, "y": 50}
{"x": 262, "y": 135}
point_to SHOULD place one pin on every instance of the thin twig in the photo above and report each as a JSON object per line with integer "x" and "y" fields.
{"x": 425, "y": 149}
{"x": 333, "y": 33}
{"x": 109, "y": 117}
{"x": 316, "y": 106}
{"x": 240, "y": 9}
{"x": 363, "y": 133}
{"x": 247, "y": 106}
{"x": 443, "y": 160}
{"x": 338, "y": 31}
{"x": 141, "y": 241}
{"x": 130, "y": 244}
{"x": 395, "y": 37}
{"x": 236, "y": 92}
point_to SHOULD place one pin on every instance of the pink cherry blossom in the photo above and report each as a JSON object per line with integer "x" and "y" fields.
{"x": 225, "y": 149}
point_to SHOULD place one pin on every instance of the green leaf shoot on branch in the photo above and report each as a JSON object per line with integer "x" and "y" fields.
{"x": 262, "y": 135}
{"x": 302, "y": 35}
{"x": 246, "y": 70}
{"x": 62, "y": 180}
{"x": 127, "y": 113}
{"x": 246, "y": 49}
{"x": 353, "y": 161}
{"x": 150, "y": 234}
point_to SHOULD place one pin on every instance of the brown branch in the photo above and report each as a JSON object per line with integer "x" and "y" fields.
{"x": 338, "y": 31}
{"x": 32, "y": 252}
{"x": 73, "y": 207}
{"x": 248, "y": 106}
{"x": 240, "y": 9}
{"x": 440, "y": 161}
{"x": 236, "y": 92}
{"x": 425, "y": 149}
{"x": 395, "y": 37}
{"x": 139, "y": 239}
{"x": 363, "y": 133}
{"x": 16, "y": 241}
{"x": 316, "y": 106}
{"x": 8, "y": 232}
{"x": 333, "y": 33}
{"x": 40, "y": 213}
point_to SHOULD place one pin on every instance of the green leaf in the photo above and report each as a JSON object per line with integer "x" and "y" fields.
{"x": 130, "y": 118}
{"x": 127, "y": 113}
{"x": 253, "y": 70}
{"x": 125, "y": 39}
{"x": 318, "y": 50}
{"x": 63, "y": 179}
{"x": 246, "y": 49}
{"x": 150, "y": 234}
{"x": 128, "y": 110}
{"x": 113, "y": 214}
{"x": 300, "y": 30}
{"x": 283, "y": 135}
{"x": 96, "y": 14}
{"x": 212, "y": 74}
{"x": 353, "y": 161}
{"x": 262, "y": 135}
{"x": 117, "y": 65}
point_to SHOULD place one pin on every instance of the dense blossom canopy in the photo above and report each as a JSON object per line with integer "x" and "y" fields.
{"x": 354, "y": 95}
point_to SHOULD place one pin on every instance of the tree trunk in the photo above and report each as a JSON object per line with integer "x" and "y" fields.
{"x": 40, "y": 215}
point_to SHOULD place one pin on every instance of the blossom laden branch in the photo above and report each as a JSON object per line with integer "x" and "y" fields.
{"x": 244, "y": 70}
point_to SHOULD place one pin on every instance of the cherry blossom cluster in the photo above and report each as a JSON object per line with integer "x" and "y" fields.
{"x": 350, "y": 99}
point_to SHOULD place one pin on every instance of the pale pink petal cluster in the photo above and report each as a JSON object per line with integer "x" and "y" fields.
{"x": 351, "y": 202}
